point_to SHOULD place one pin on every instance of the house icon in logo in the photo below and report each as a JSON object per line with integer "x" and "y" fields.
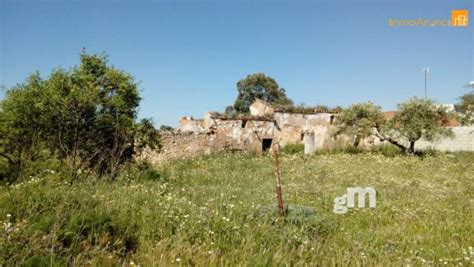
{"x": 459, "y": 18}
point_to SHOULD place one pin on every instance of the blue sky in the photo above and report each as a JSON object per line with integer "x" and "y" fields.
{"x": 189, "y": 55}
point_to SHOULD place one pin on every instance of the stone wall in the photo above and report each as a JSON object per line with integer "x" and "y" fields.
{"x": 463, "y": 141}
{"x": 260, "y": 108}
{"x": 229, "y": 135}
{"x": 188, "y": 124}
{"x": 216, "y": 132}
{"x": 303, "y": 121}
{"x": 295, "y": 128}
{"x": 244, "y": 135}
{"x": 181, "y": 145}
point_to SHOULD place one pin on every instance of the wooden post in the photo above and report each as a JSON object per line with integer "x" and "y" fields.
{"x": 275, "y": 152}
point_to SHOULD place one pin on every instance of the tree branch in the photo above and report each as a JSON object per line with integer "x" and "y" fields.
{"x": 10, "y": 160}
{"x": 390, "y": 140}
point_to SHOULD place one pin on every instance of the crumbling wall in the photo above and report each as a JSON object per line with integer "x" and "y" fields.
{"x": 255, "y": 133}
{"x": 317, "y": 138}
{"x": 303, "y": 121}
{"x": 291, "y": 135}
{"x": 229, "y": 135}
{"x": 216, "y": 132}
{"x": 243, "y": 135}
{"x": 190, "y": 125}
{"x": 294, "y": 128}
{"x": 260, "y": 108}
{"x": 176, "y": 145}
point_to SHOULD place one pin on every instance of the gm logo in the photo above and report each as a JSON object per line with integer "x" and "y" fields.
{"x": 346, "y": 201}
{"x": 459, "y": 18}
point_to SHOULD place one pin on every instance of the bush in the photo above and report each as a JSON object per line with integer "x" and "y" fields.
{"x": 293, "y": 149}
{"x": 148, "y": 172}
{"x": 142, "y": 171}
{"x": 94, "y": 128}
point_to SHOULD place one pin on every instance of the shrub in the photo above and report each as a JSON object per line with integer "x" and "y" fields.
{"x": 86, "y": 117}
{"x": 143, "y": 171}
{"x": 293, "y": 149}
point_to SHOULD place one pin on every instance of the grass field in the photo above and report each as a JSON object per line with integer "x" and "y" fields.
{"x": 217, "y": 210}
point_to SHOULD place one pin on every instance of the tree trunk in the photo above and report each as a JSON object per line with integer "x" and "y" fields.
{"x": 357, "y": 141}
{"x": 390, "y": 140}
{"x": 411, "y": 149}
{"x": 10, "y": 160}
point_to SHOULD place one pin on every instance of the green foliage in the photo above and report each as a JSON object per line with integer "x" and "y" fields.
{"x": 387, "y": 150}
{"x": 21, "y": 128}
{"x": 39, "y": 261}
{"x": 418, "y": 118}
{"x": 466, "y": 106}
{"x": 466, "y": 103}
{"x": 85, "y": 116}
{"x": 340, "y": 149}
{"x": 230, "y": 111}
{"x": 415, "y": 119}
{"x": 259, "y": 86}
{"x": 358, "y": 121}
{"x": 57, "y": 221}
{"x": 147, "y": 172}
{"x": 164, "y": 128}
{"x": 142, "y": 171}
{"x": 300, "y": 109}
{"x": 293, "y": 148}
{"x": 44, "y": 223}
{"x": 220, "y": 210}
{"x": 146, "y": 135}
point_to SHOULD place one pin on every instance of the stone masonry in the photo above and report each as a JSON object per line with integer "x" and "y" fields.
{"x": 254, "y": 133}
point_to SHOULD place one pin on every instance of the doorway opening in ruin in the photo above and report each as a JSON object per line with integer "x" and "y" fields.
{"x": 266, "y": 144}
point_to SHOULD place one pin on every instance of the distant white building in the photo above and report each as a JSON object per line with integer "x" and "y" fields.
{"x": 448, "y": 107}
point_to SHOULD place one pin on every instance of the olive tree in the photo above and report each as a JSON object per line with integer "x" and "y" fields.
{"x": 466, "y": 106}
{"x": 415, "y": 119}
{"x": 358, "y": 121}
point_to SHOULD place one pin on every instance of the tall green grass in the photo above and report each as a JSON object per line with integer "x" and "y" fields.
{"x": 219, "y": 210}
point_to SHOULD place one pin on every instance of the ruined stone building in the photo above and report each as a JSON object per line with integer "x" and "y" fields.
{"x": 253, "y": 133}
{"x": 265, "y": 126}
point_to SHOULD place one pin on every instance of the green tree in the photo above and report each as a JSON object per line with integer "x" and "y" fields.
{"x": 416, "y": 119}
{"x": 21, "y": 122}
{"x": 259, "y": 86}
{"x": 85, "y": 116}
{"x": 165, "y": 128}
{"x": 358, "y": 121}
{"x": 466, "y": 106}
{"x": 229, "y": 111}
